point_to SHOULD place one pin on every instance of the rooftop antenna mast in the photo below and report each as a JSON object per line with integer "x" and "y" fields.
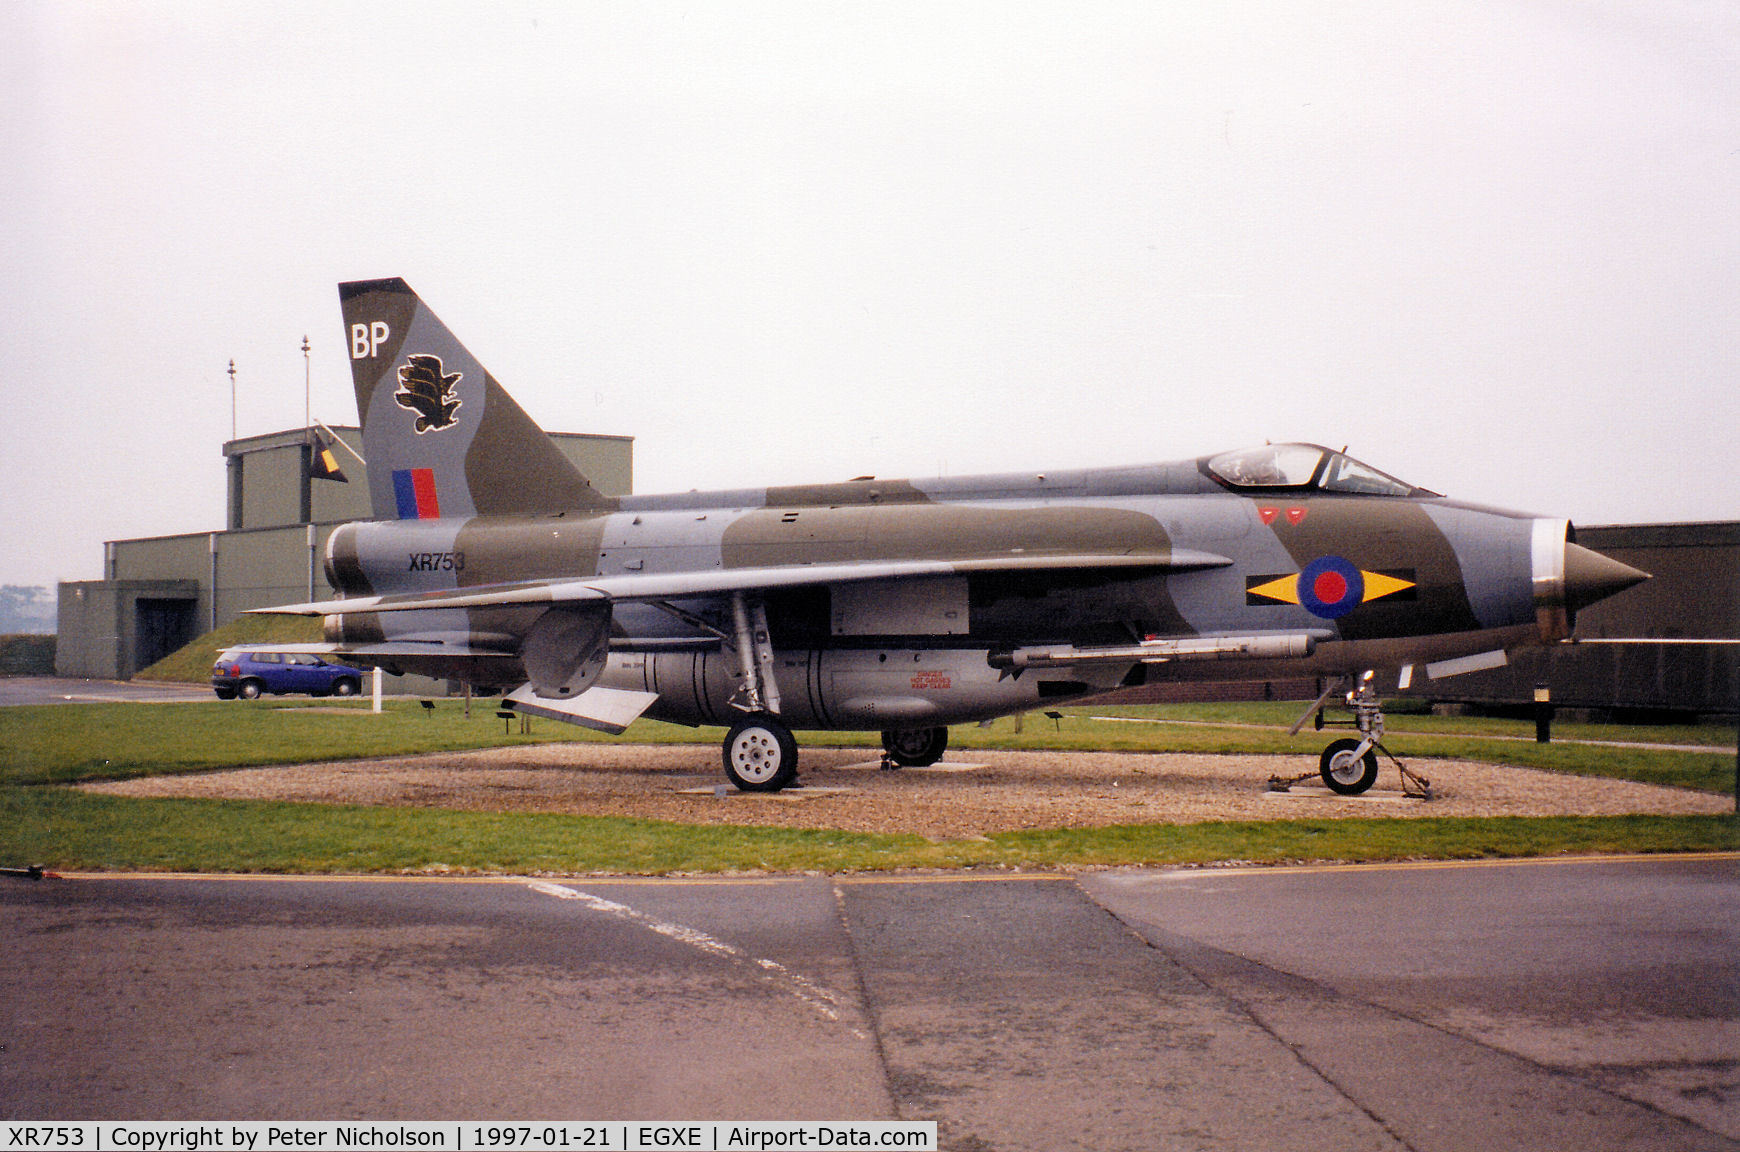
{"x": 232, "y": 398}
{"x": 307, "y": 401}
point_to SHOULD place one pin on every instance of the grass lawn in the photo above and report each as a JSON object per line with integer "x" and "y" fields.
{"x": 42, "y": 746}
{"x": 61, "y": 744}
{"x": 70, "y": 831}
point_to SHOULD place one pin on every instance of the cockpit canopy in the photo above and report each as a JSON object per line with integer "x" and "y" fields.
{"x": 1304, "y": 467}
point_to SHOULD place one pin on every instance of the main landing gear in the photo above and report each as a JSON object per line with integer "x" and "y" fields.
{"x": 1349, "y": 767}
{"x": 913, "y": 747}
{"x": 761, "y": 755}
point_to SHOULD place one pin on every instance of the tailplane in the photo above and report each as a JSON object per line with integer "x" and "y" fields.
{"x": 442, "y": 438}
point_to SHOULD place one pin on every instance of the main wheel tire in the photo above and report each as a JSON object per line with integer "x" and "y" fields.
{"x": 760, "y": 754}
{"x": 248, "y": 690}
{"x": 915, "y": 747}
{"x": 1346, "y": 773}
{"x": 346, "y": 687}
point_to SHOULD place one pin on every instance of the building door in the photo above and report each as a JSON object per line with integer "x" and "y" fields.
{"x": 160, "y": 626}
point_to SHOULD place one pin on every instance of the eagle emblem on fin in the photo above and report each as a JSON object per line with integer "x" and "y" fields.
{"x": 425, "y": 390}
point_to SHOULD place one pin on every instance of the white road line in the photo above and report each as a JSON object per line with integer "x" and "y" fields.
{"x": 823, "y": 1001}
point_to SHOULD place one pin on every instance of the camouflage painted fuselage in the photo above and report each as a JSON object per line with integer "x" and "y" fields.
{"x": 893, "y": 605}
{"x": 933, "y": 649}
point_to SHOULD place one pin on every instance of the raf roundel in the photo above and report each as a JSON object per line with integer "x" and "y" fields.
{"x": 1331, "y": 587}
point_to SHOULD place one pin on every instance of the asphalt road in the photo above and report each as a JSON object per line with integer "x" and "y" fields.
{"x": 1588, "y": 1004}
{"x": 62, "y": 690}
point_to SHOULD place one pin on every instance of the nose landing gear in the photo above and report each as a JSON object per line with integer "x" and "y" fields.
{"x": 1350, "y": 767}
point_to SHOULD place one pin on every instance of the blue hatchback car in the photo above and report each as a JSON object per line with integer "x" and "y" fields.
{"x": 248, "y": 673}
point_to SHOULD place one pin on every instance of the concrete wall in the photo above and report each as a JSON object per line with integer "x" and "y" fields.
{"x": 253, "y": 569}
{"x": 87, "y": 631}
{"x": 99, "y": 625}
{"x": 272, "y": 488}
{"x": 270, "y": 566}
{"x": 178, "y": 558}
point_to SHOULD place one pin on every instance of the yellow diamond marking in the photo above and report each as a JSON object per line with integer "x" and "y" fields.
{"x": 1286, "y": 589}
{"x": 1378, "y": 585}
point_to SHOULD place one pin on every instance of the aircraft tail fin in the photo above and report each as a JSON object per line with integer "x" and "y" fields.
{"x": 442, "y": 438}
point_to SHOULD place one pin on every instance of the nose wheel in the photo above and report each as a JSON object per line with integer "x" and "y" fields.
{"x": 1350, "y": 767}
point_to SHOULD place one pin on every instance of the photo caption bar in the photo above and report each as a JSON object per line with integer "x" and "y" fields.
{"x": 465, "y": 1135}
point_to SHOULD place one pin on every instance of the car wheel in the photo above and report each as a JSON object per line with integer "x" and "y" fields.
{"x": 249, "y": 690}
{"x": 346, "y": 687}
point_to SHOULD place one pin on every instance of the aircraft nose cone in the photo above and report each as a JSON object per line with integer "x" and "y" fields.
{"x": 1590, "y": 576}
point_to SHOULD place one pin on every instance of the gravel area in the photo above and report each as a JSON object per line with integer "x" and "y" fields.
{"x": 970, "y": 794}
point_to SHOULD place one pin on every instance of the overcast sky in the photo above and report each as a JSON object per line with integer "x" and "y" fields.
{"x": 1493, "y": 247}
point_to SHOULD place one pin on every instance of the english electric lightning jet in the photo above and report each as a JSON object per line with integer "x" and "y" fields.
{"x": 894, "y": 605}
